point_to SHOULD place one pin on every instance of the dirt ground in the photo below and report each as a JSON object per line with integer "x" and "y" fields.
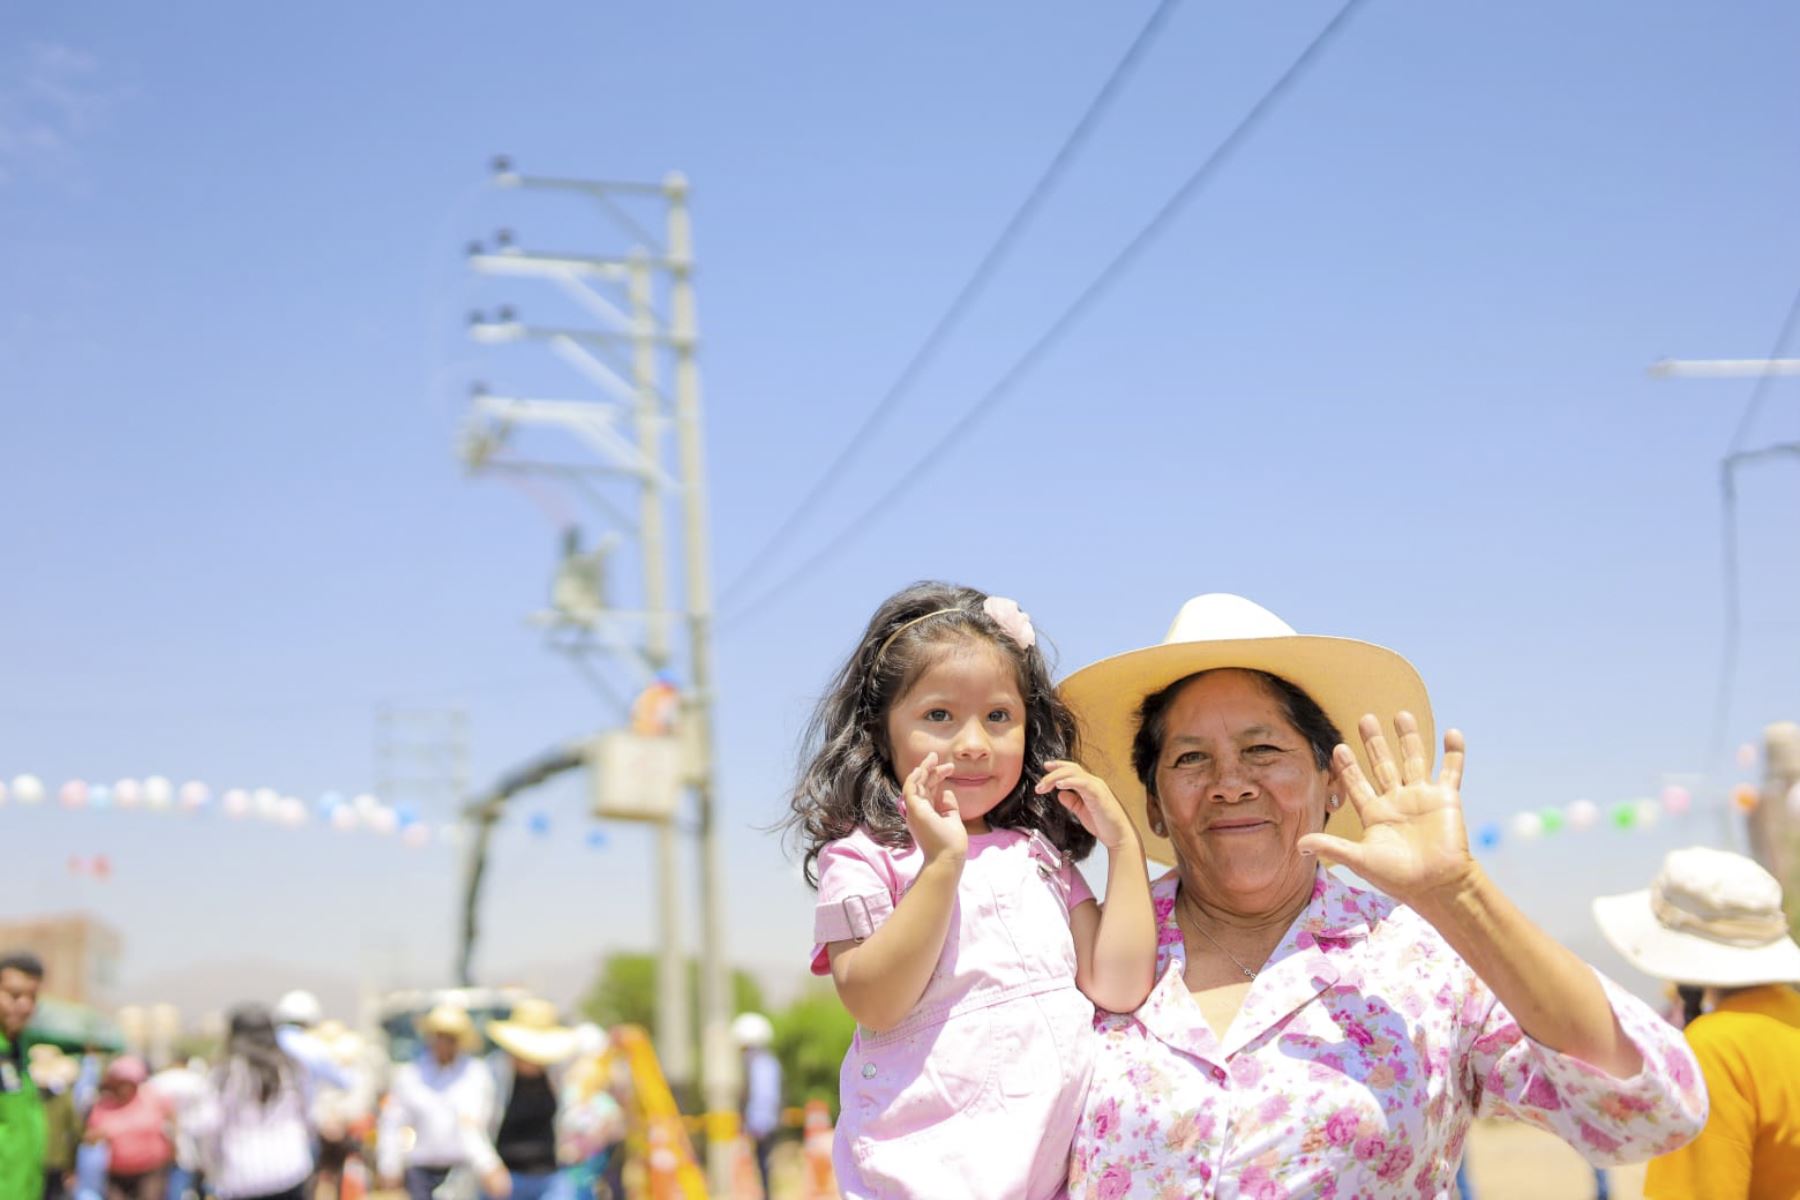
{"x": 1509, "y": 1161}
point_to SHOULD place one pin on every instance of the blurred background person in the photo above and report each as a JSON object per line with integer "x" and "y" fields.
{"x": 534, "y": 1047}
{"x": 593, "y": 1123}
{"x": 54, "y": 1074}
{"x": 183, "y": 1086}
{"x": 1713, "y": 923}
{"x": 133, "y": 1123}
{"x": 341, "y": 1115}
{"x": 253, "y": 1127}
{"x": 761, "y": 1112}
{"x": 438, "y": 1113}
{"x": 21, "y": 1109}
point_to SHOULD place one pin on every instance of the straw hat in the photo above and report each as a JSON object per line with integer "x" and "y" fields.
{"x": 451, "y": 1019}
{"x": 534, "y": 1034}
{"x": 51, "y": 1068}
{"x": 1346, "y": 678}
{"x": 341, "y": 1044}
{"x": 1711, "y": 918}
{"x": 126, "y": 1069}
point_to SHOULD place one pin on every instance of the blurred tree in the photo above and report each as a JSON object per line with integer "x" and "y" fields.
{"x": 624, "y": 993}
{"x": 812, "y": 1035}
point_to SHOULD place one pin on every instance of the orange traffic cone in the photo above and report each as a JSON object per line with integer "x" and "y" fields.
{"x": 662, "y": 1164}
{"x": 746, "y": 1180}
{"x": 817, "y": 1182}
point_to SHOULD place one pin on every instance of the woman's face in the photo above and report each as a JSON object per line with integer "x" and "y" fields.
{"x": 1237, "y": 787}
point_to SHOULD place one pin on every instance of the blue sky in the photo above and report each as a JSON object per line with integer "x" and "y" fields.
{"x": 1385, "y": 376}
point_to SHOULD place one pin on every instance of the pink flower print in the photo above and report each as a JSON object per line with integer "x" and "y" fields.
{"x": 1340, "y": 1128}
{"x": 1273, "y": 1109}
{"x": 1255, "y": 1183}
{"x": 1334, "y": 1061}
{"x": 1382, "y": 1077}
{"x": 1106, "y": 1119}
{"x": 1680, "y": 1065}
{"x": 1541, "y": 1093}
{"x": 1394, "y": 1165}
{"x": 1305, "y": 941}
{"x": 1355, "y": 1031}
{"x": 1599, "y": 1141}
{"x": 1370, "y": 1149}
{"x": 1114, "y": 1182}
{"x": 1245, "y": 1071}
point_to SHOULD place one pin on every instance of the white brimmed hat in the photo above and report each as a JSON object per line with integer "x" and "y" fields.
{"x": 1711, "y": 918}
{"x": 752, "y": 1029}
{"x": 534, "y": 1034}
{"x": 1346, "y": 678}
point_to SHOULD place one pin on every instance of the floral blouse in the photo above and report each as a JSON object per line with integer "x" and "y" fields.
{"x": 1362, "y": 1051}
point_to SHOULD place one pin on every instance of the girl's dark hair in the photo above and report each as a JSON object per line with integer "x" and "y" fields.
{"x": 848, "y": 778}
{"x": 1300, "y": 709}
{"x": 251, "y": 1047}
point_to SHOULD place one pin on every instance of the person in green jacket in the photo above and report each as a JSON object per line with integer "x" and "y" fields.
{"x": 21, "y": 1109}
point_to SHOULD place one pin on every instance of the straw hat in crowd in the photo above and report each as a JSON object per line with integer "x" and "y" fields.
{"x": 534, "y": 1034}
{"x": 453, "y": 1020}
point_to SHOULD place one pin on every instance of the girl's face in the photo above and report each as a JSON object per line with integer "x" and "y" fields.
{"x": 966, "y": 708}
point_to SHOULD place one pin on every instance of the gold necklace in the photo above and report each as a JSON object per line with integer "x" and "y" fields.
{"x": 1248, "y": 973}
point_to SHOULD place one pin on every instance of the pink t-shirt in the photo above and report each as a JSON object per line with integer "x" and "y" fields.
{"x": 136, "y": 1132}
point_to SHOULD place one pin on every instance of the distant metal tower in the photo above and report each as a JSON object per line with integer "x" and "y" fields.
{"x": 643, "y": 322}
{"x": 422, "y": 759}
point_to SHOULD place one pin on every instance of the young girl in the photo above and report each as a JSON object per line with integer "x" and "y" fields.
{"x": 941, "y": 815}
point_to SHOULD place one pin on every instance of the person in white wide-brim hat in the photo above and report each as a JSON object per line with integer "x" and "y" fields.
{"x": 1712, "y": 922}
{"x": 1334, "y": 1040}
{"x": 528, "y": 1081}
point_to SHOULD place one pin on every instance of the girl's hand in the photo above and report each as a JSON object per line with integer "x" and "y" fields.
{"x": 1086, "y": 796}
{"x": 931, "y": 813}
{"x": 1414, "y": 844}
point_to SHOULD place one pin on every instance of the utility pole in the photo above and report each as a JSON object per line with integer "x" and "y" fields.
{"x": 583, "y": 621}
{"x": 1770, "y": 822}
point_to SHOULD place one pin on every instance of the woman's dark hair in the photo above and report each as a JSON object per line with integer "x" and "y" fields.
{"x": 1693, "y": 1002}
{"x": 848, "y": 779}
{"x": 251, "y": 1047}
{"x": 1300, "y": 709}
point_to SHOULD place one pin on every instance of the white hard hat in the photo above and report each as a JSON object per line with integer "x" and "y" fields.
{"x": 298, "y": 1008}
{"x": 752, "y": 1029}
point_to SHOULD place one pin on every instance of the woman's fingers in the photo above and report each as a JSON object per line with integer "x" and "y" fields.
{"x": 1452, "y": 773}
{"x": 1333, "y": 850}
{"x": 1414, "y": 762}
{"x": 1350, "y": 777}
{"x": 1381, "y": 758}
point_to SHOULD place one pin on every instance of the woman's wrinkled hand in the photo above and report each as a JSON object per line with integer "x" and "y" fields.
{"x": 1087, "y": 797}
{"x": 1414, "y": 843}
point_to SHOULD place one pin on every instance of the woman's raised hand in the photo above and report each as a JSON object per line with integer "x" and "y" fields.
{"x": 1414, "y": 842}
{"x": 1086, "y": 796}
{"x": 930, "y": 809}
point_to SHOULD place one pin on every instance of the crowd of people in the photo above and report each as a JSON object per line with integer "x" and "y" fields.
{"x": 296, "y": 1107}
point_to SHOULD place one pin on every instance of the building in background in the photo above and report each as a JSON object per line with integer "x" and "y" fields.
{"x": 80, "y": 953}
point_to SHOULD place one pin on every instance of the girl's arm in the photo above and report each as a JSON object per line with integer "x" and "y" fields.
{"x": 880, "y": 978}
{"x": 1115, "y": 945}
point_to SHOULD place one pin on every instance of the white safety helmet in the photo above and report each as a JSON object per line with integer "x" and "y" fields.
{"x": 298, "y": 1008}
{"x": 752, "y": 1029}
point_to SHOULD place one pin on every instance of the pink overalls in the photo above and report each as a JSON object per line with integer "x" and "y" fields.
{"x": 976, "y": 1093}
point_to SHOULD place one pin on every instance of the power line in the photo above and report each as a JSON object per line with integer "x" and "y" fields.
{"x": 1095, "y": 289}
{"x": 965, "y": 297}
{"x": 1736, "y": 456}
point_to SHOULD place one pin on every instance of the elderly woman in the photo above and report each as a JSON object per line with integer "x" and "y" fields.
{"x": 1307, "y": 1037}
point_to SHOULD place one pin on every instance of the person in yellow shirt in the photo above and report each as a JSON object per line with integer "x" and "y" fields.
{"x": 1713, "y": 924}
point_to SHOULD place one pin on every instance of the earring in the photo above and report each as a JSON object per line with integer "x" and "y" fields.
{"x": 1158, "y": 829}
{"x": 1332, "y": 802}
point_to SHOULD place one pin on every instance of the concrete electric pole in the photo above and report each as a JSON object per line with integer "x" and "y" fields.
{"x": 620, "y": 292}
